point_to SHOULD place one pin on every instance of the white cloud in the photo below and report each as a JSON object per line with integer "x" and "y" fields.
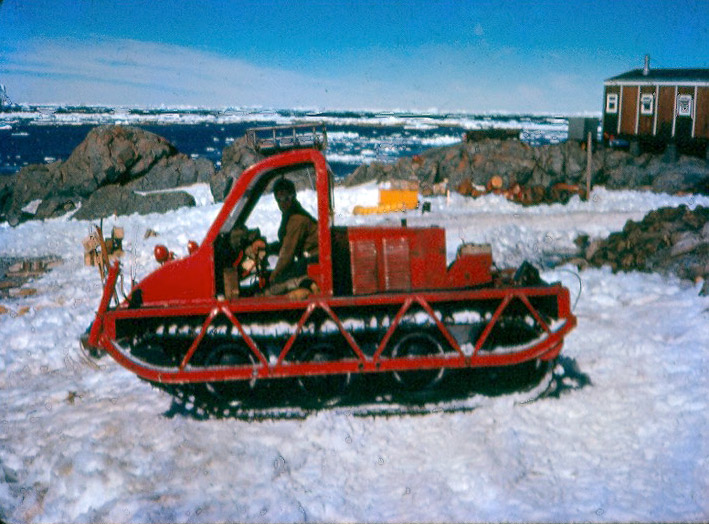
{"x": 129, "y": 72}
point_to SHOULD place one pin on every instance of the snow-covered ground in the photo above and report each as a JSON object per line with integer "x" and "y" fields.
{"x": 86, "y": 444}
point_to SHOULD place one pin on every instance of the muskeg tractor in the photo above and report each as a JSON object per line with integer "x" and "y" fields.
{"x": 380, "y": 308}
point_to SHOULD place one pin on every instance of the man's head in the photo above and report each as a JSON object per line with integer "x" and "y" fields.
{"x": 284, "y": 191}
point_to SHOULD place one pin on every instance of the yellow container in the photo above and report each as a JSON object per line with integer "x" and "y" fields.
{"x": 398, "y": 199}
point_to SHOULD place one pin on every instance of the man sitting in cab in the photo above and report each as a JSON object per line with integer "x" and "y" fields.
{"x": 297, "y": 244}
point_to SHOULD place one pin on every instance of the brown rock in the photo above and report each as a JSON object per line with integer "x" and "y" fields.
{"x": 465, "y": 188}
{"x": 23, "y": 311}
{"x": 685, "y": 243}
{"x": 627, "y": 262}
{"x": 120, "y": 200}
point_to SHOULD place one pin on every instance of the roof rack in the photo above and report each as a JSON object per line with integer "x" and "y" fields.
{"x": 271, "y": 140}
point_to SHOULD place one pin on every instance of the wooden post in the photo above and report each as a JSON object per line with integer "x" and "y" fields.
{"x": 589, "y": 160}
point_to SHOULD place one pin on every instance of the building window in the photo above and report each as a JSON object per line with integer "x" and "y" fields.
{"x": 684, "y": 105}
{"x": 612, "y": 103}
{"x": 647, "y": 104}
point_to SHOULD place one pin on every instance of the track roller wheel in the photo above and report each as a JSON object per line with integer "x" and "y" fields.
{"x": 149, "y": 349}
{"x": 418, "y": 344}
{"x": 322, "y": 388}
{"x": 228, "y": 355}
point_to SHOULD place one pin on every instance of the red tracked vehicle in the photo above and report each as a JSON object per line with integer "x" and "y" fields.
{"x": 381, "y": 301}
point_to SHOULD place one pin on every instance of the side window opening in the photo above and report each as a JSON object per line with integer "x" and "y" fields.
{"x": 244, "y": 249}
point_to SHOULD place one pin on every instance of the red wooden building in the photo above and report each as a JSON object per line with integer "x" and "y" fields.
{"x": 656, "y": 107}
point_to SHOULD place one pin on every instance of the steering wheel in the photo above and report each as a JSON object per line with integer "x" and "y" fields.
{"x": 253, "y": 260}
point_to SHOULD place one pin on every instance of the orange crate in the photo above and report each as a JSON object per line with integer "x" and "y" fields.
{"x": 399, "y": 198}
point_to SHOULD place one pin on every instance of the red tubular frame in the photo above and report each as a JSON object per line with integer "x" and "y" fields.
{"x": 545, "y": 348}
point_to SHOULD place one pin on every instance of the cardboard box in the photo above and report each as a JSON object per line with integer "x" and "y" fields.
{"x": 231, "y": 283}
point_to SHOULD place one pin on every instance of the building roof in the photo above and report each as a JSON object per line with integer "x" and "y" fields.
{"x": 663, "y": 75}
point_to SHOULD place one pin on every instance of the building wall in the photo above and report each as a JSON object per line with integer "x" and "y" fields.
{"x": 628, "y": 109}
{"x": 646, "y": 123}
{"x": 664, "y": 122}
{"x": 610, "y": 120}
{"x": 665, "y": 111}
{"x": 684, "y": 124}
{"x": 701, "y": 124}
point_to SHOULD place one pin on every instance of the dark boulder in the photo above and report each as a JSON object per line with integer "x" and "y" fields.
{"x": 686, "y": 175}
{"x": 236, "y": 157}
{"x": 33, "y": 182}
{"x": 113, "y": 155}
{"x": 174, "y": 171}
{"x": 119, "y": 200}
{"x": 6, "y": 187}
{"x": 56, "y": 206}
{"x": 119, "y": 157}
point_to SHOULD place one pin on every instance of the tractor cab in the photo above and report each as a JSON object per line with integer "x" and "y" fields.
{"x": 231, "y": 262}
{"x": 245, "y": 251}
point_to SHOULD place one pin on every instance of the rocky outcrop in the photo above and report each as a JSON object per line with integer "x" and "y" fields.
{"x": 119, "y": 200}
{"x": 126, "y": 159}
{"x": 174, "y": 171}
{"x": 475, "y": 163}
{"x": 667, "y": 240}
{"x": 620, "y": 170}
{"x": 478, "y": 161}
{"x": 235, "y": 159}
{"x": 136, "y": 160}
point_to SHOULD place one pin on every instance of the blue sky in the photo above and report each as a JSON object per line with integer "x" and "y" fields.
{"x": 473, "y": 56}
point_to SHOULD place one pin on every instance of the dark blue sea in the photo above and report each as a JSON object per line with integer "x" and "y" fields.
{"x": 35, "y": 135}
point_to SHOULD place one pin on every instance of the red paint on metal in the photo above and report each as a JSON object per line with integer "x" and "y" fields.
{"x": 200, "y": 336}
{"x": 491, "y": 324}
{"x": 109, "y": 290}
{"x": 391, "y": 268}
{"x": 547, "y": 348}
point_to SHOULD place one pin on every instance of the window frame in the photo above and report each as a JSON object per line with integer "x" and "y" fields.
{"x": 686, "y": 108}
{"x": 647, "y": 104}
{"x": 612, "y": 103}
